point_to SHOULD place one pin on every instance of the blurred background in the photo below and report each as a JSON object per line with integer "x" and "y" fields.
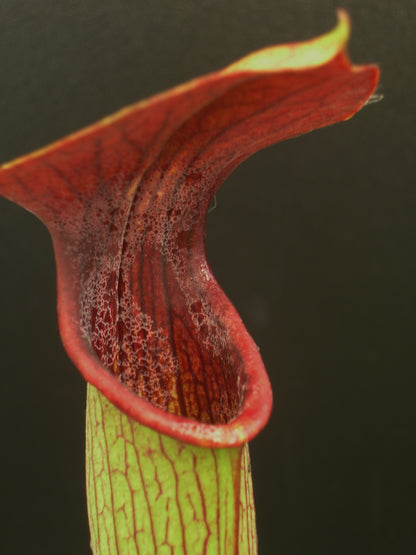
{"x": 313, "y": 240}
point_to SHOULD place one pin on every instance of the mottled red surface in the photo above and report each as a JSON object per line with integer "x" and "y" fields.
{"x": 125, "y": 200}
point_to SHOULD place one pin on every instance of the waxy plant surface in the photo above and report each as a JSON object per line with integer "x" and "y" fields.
{"x": 125, "y": 200}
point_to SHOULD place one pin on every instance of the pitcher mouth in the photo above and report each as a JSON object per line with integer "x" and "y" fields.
{"x": 125, "y": 200}
{"x": 205, "y": 384}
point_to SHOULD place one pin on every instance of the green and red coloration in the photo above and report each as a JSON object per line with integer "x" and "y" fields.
{"x": 151, "y": 494}
{"x": 125, "y": 201}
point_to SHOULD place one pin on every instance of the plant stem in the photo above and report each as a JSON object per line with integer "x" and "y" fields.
{"x": 151, "y": 494}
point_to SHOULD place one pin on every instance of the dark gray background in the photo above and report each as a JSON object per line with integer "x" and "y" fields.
{"x": 312, "y": 239}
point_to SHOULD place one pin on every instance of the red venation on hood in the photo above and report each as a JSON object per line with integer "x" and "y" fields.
{"x": 125, "y": 200}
